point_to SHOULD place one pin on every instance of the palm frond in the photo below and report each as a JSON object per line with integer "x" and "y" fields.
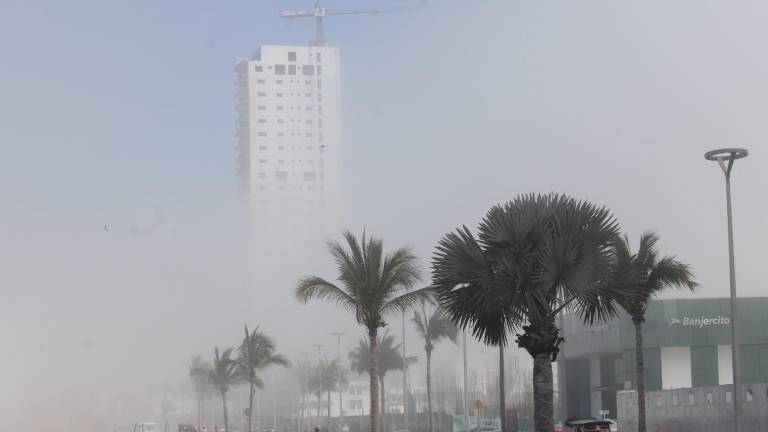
{"x": 312, "y": 287}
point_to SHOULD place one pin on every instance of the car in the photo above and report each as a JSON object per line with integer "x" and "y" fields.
{"x": 147, "y": 427}
{"x": 187, "y": 428}
{"x": 586, "y": 425}
{"x": 485, "y": 429}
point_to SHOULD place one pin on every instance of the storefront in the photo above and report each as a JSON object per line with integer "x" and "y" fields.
{"x": 686, "y": 344}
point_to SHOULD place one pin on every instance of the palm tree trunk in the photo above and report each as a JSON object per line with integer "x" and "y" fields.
{"x": 328, "y": 426}
{"x": 640, "y": 375}
{"x": 383, "y": 406}
{"x": 250, "y": 407}
{"x": 429, "y": 390}
{"x": 224, "y": 403}
{"x": 374, "y": 376}
{"x": 543, "y": 420}
{"x": 502, "y": 394}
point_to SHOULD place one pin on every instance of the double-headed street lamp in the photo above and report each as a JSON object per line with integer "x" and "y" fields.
{"x": 725, "y": 158}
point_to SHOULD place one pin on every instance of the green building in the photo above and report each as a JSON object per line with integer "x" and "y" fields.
{"x": 687, "y": 344}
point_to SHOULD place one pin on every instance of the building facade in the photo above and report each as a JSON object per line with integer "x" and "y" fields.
{"x": 686, "y": 345}
{"x": 289, "y": 134}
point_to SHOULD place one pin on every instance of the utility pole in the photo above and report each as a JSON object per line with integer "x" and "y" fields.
{"x": 405, "y": 381}
{"x": 341, "y": 407}
{"x": 466, "y": 390}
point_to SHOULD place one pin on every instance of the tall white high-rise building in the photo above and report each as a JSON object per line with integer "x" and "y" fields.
{"x": 289, "y": 135}
{"x": 289, "y": 163}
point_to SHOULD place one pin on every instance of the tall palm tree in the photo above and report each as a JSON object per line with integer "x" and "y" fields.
{"x": 325, "y": 380}
{"x": 389, "y": 360}
{"x": 200, "y": 384}
{"x": 433, "y": 326}
{"x": 303, "y": 373}
{"x": 649, "y": 275}
{"x": 371, "y": 285}
{"x": 533, "y": 257}
{"x": 256, "y": 353}
{"x": 222, "y": 374}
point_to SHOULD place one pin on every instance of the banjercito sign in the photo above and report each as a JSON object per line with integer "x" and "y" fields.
{"x": 700, "y": 322}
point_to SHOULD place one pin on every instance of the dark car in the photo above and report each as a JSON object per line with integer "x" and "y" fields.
{"x": 187, "y": 428}
{"x": 587, "y": 425}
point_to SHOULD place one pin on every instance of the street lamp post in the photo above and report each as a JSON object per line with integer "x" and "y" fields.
{"x": 725, "y": 158}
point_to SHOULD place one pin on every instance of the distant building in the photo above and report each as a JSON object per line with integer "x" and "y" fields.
{"x": 686, "y": 342}
{"x": 289, "y": 137}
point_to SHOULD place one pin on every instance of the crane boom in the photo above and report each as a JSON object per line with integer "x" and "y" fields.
{"x": 319, "y": 13}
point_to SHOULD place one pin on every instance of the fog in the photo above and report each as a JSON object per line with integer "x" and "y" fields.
{"x": 126, "y": 247}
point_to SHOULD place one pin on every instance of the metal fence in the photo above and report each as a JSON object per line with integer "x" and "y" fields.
{"x": 701, "y": 409}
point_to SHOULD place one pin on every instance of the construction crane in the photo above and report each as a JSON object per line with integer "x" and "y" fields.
{"x": 319, "y": 13}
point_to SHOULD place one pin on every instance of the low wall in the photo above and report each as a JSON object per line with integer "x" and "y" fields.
{"x": 701, "y": 409}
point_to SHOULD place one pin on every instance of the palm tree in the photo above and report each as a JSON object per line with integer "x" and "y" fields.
{"x": 222, "y": 374}
{"x": 371, "y": 286}
{"x": 200, "y": 384}
{"x": 303, "y": 372}
{"x": 533, "y": 257}
{"x": 257, "y": 352}
{"x": 389, "y": 360}
{"x": 325, "y": 380}
{"x": 649, "y": 275}
{"x": 433, "y": 326}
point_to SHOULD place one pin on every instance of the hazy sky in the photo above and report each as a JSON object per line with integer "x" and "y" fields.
{"x": 111, "y": 110}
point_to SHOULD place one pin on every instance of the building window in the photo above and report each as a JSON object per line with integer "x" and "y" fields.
{"x": 728, "y": 397}
{"x": 320, "y": 136}
{"x": 748, "y": 396}
{"x": 262, "y": 94}
{"x": 691, "y": 399}
{"x": 278, "y": 81}
{"x": 258, "y": 68}
{"x": 291, "y": 56}
{"x": 280, "y": 161}
{"x": 281, "y": 147}
{"x": 709, "y": 398}
{"x": 280, "y": 121}
{"x": 310, "y": 176}
{"x": 279, "y": 95}
{"x": 262, "y": 175}
{"x": 262, "y": 108}
{"x": 279, "y": 107}
{"x": 320, "y": 110}
{"x": 319, "y": 70}
{"x": 281, "y": 175}
{"x": 262, "y": 147}
{"x": 308, "y": 121}
{"x": 260, "y": 81}
{"x": 263, "y": 161}
{"x": 308, "y": 94}
{"x": 279, "y": 69}
{"x": 281, "y": 134}
{"x": 674, "y": 399}
{"x": 308, "y": 134}
{"x": 319, "y": 84}
{"x": 308, "y": 70}
{"x": 262, "y": 120}
{"x": 308, "y": 82}
{"x": 320, "y": 123}
{"x": 291, "y": 69}
{"x": 262, "y": 134}
{"x": 319, "y": 97}
{"x": 318, "y": 57}
{"x": 309, "y": 108}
